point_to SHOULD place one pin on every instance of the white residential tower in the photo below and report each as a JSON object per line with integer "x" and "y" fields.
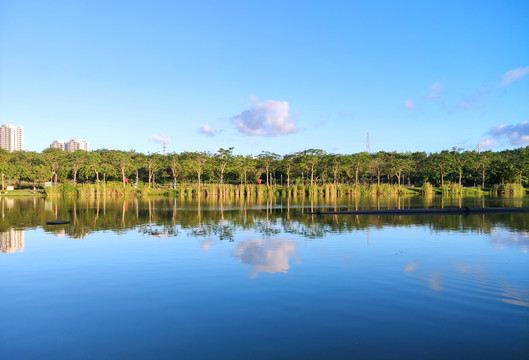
{"x": 11, "y": 137}
{"x": 70, "y": 146}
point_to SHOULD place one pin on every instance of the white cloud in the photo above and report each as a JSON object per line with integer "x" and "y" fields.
{"x": 513, "y": 75}
{"x": 269, "y": 118}
{"x": 487, "y": 143}
{"x": 517, "y": 135}
{"x": 435, "y": 91}
{"x": 410, "y": 105}
{"x": 464, "y": 105}
{"x": 253, "y": 98}
{"x": 160, "y": 139}
{"x": 206, "y": 130}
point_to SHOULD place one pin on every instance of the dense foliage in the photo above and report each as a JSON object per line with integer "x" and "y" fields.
{"x": 309, "y": 167}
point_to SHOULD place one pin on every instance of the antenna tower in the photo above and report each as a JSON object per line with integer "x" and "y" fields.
{"x": 368, "y": 144}
{"x": 164, "y": 149}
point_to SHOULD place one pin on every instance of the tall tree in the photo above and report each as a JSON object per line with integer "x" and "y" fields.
{"x": 247, "y": 165}
{"x": 138, "y": 162}
{"x": 310, "y": 159}
{"x": 76, "y": 159}
{"x": 195, "y": 161}
{"x": 94, "y": 160}
{"x": 120, "y": 160}
{"x": 154, "y": 163}
{"x": 54, "y": 158}
{"x": 358, "y": 162}
{"x": 288, "y": 161}
{"x": 176, "y": 167}
{"x": 266, "y": 160}
{"x": 376, "y": 165}
{"x": 223, "y": 159}
{"x": 443, "y": 162}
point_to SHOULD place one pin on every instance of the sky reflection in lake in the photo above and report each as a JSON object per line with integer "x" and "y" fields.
{"x": 156, "y": 280}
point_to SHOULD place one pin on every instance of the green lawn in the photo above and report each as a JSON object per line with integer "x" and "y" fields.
{"x": 23, "y": 192}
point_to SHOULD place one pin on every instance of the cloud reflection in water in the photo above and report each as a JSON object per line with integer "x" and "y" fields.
{"x": 270, "y": 255}
{"x": 503, "y": 239}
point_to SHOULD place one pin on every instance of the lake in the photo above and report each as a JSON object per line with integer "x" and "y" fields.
{"x": 237, "y": 279}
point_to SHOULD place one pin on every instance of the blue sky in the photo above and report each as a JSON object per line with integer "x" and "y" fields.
{"x": 281, "y": 76}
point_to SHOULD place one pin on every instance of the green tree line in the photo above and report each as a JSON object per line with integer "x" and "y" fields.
{"x": 308, "y": 167}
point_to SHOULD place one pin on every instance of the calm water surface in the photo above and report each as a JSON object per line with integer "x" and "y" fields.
{"x": 257, "y": 280}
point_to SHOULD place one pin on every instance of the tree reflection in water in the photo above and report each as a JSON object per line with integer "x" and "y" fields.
{"x": 222, "y": 218}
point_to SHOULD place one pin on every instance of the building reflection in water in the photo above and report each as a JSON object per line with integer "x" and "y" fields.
{"x": 12, "y": 241}
{"x": 269, "y": 255}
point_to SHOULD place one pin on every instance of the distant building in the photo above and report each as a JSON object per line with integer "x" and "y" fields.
{"x": 11, "y": 137}
{"x": 70, "y": 146}
{"x": 76, "y": 144}
{"x": 57, "y": 144}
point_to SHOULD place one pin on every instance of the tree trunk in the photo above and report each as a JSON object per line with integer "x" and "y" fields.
{"x": 311, "y": 175}
{"x": 483, "y": 177}
{"x": 356, "y": 174}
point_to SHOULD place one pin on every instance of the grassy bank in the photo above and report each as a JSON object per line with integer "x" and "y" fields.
{"x": 22, "y": 192}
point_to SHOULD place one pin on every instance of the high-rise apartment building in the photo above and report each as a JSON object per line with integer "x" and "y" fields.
{"x": 57, "y": 144}
{"x": 11, "y": 137}
{"x": 76, "y": 144}
{"x": 72, "y": 145}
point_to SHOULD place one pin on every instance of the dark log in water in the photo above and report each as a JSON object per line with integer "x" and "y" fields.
{"x": 446, "y": 211}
